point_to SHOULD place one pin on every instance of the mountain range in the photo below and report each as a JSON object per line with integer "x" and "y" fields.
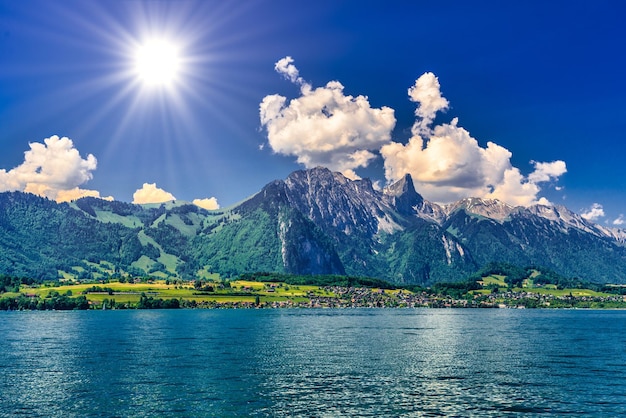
{"x": 313, "y": 222}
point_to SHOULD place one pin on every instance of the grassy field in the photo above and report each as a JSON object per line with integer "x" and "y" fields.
{"x": 494, "y": 279}
{"x": 529, "y": 286}
{"x": 129, "y": 293}
{"x": 552, "y": 290}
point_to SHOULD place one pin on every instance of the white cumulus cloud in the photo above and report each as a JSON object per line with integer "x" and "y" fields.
{"x": 150, "y": 193}
{"x": 547, "y": 171}
{"x": 427, "y": 93}
{"x": 53, "y": 169}
{"x": 619, "y": 220}
{"x": 324, "y": 126}
{"x": 448, "y": 164}
{"x": 77, "y": 193}
{"x": 595, "y": 212}
{"x": 285, "y": 67}
{"x": 209, "y": 204}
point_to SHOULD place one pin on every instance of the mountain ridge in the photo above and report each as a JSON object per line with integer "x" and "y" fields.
{"x": 314, "y": 221}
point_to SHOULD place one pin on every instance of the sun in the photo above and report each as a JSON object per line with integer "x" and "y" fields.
{"x": 157, "y": 62}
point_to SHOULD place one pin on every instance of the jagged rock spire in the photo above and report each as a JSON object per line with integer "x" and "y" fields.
{"x": 403, "y": 196}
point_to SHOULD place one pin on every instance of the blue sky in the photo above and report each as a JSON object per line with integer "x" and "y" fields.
{"x": 541, "y": 81}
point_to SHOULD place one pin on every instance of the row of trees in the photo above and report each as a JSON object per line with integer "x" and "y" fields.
{"x": 322, "y": 280}
{"x": 13, "y": 283}
{"x": 149, "y": 302}
{"x": 54, "y": 301}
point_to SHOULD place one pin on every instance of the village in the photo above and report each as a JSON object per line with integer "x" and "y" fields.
{"x": 362, "y": 297}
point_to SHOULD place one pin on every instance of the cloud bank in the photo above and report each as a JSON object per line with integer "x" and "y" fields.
{"x": 448, "y": 164}
{"x": 150, "y": 193}
{"x": 52, "y": 169}
{"x": 324, "y": 126}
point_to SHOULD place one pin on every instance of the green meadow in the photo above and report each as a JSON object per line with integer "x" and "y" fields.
{"x": 238, "y": 291}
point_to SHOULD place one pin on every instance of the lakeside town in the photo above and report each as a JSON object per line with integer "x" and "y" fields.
{"x": 359, "y": 297}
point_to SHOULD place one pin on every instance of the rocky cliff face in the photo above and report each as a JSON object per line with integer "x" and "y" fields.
{"x": 337, "y": 204}
{"x": 348, "y": 226}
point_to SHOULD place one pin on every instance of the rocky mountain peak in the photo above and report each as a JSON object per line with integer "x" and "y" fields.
{"x": 317, "y": 177}
{"x": 489, "y": 208}
{"x": 616, "y": 233}
{"x": 568, "y": 219}
{"x": 400, "y": 187}
{"x": 334, "y": 201}
{"x": 403, "y": 196}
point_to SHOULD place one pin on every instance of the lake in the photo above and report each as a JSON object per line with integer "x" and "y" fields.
{"x": 306, "y": 362}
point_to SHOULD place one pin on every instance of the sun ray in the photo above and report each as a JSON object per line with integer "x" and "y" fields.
{"x": 156, "y": 74}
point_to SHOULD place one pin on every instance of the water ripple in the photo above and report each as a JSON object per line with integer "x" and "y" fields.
{"x": 292, "y": 363}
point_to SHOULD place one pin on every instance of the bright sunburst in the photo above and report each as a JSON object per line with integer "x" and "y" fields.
{"x": 157, "y": 62}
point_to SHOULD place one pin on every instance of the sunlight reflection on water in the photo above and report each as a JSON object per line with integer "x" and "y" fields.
{"x": 359, "y": 362}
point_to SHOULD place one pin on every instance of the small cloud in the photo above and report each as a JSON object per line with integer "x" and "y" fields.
{"x": 53, "y": 169}
{"x": 324, "y": 126}
{"x": 209, "y": 204}
{"x": 543, "y": 201}
{"x": 426, "y": 92}
{"x": 595, "y": 212}
{"x": 547, "y": 171}
{"x": 285, "y": 67}
{"x": 620, "y": 220}
{"x": 150, "y": 193}
{"x": 77, "y": 193}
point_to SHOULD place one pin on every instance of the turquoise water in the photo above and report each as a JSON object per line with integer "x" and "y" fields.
{"x": 356, "y": 362}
